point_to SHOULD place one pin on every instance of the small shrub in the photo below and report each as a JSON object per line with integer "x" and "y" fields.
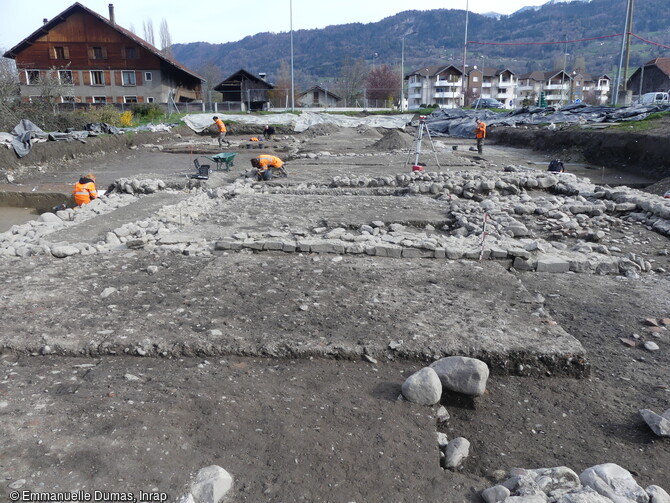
{"x": 126, "y": 118}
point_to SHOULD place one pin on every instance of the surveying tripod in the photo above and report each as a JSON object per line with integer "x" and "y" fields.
{"x": 419, "y": 136}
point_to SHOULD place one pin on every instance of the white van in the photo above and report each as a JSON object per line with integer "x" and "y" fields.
{"x": 655, "y": 99}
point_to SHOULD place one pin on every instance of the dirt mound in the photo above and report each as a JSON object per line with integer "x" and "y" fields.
{"x": 394, "y": 139}
{"x": 660, "y": 187}
{"x": 321, "y": 130}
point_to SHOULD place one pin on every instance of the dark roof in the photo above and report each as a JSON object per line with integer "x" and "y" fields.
{"x": 239, "y": 75}
{"x": 662, "y": 64}
{"x": 319, "y": 88}
{"x": 430, "y": 71}
{"x": 538, "y": 75}
{"x": 77, "y": 6}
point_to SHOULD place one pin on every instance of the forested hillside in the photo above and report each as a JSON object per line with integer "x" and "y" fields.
{"x": 320, "y": 54}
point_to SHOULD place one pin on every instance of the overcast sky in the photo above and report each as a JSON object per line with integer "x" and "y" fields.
{"x": 228, "y": 21}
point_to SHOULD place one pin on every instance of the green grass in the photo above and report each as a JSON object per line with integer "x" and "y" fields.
{"x": 651, "y": 122}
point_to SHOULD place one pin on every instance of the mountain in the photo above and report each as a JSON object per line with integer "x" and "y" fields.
{"x": 320, "y": 54}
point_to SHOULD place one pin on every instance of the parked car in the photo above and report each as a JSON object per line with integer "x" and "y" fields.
{"x": 487, "y": 103}
{"x": 655, "y": 99}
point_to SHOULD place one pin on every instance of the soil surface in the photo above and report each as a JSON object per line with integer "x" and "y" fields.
{"x": 318, "y": 423}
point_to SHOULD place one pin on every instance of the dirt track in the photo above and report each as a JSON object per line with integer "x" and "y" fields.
{"x": 312, "y": 429}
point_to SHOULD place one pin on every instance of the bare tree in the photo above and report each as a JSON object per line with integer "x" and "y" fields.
{"x": 148, "y": 28}
{"x": 279, "y": 95}
{"x": 212, "y": 75}
{"x": 166, "y": 39}
{"x": 56, "y": 86}
{"x": 9, "y": 80}
{"x": 350, "y": 83}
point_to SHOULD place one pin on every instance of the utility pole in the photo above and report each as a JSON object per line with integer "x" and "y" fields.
{"x": 615, "y": 92}
{"x": 629, "y": 30}
{"x": 465, "y": 51}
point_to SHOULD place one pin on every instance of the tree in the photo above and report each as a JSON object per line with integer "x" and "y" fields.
{"x": 148, "y": 28}
{"x": 166, "y": 39}
{"x": 279, "y": 96}
{"x": 10, "y": 92}
{"x": 212, "y": 75}
{"x": 56, "y": 86}
{"x": 382, "y": 83}
{"x": 350, "y": 83}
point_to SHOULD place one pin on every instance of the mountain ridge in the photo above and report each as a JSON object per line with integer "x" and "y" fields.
{"x": 440, "y": 36}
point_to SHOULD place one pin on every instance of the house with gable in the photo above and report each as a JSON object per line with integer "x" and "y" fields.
{"x": 98, "y": 61}
{"x": 317, "y": 96}
{"x": 651, "y": 77}
{"x": 247, "y": 89}
{"x": 496, "y": 83}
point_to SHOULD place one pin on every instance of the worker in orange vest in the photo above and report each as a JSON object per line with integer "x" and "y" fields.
{"x": 222, "y": 131}
{"x": 84, "y": 190}
{"x": 480, "y": 134}
{"x": 263, "y": 163}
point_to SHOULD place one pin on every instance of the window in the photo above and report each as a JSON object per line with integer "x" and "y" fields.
{"x": 99, "y": 99}
{"x": 475, "y": 79}
{"x": 97, "y": 78}
{"x": 130, "y": 99}
{"x": 32, "y": 77}
{"x": 68, "y": 99}
{"x": 61, "y": 52}
{"x": 150, "y": 100}
{"x": 65, "y": 77}
{"x": 315, "y": 97}
{"x": 98, "y": 53}
{"x": 131, "y": 53}
{"x": 148, "y": 76}
{"x": 128, "y": 78}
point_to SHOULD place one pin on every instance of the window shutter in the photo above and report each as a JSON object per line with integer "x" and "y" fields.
{"x": 140, "y": 99}
{"x": 119, "y": 99}
{"x": 117, "y": 78}
{"x": 87, "y": 78}
{"x": 23, "y": 78}
{"x": 108, "y": 80}
{"x": 89, "y": 99}
{"x": 110, "y": 99}
{"x": 91, "y": 53}
{"x": 66, "y": 51}
{"x": 104, "y": 52}
{"x": 52, "y": 53}
{"x": 124, "y": 51}
{"x": 138, "y": 78}
{"x": 75, "y": 77}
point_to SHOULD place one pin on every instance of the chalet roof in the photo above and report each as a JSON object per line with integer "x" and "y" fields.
{"x": 662, "y": 64}
{"x": 239, "y": 76}
{"x": 319, "y": 88}
{"x": 62, "y": 17}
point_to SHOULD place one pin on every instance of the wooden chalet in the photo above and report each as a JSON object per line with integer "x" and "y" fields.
{"x": 651, "y": 77}
{"x": 98, "y": 61}
{"x": 247, "y": 89}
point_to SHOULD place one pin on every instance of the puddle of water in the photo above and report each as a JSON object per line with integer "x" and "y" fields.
{"x": 15, "y": 216}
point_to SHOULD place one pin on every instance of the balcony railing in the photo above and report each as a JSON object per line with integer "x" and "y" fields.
{"x": 449, "y": 83}
{"x": 447, "y": 95}
{"x": 415, "y": 84}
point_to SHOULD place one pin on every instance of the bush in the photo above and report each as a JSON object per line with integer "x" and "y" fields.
{"x": 126, "y": 119}
{"x": 148, "y": 112}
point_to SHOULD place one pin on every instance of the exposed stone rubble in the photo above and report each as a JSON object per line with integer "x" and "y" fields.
{"x": 537, "y": 221}
{"x": 606, "y": 483}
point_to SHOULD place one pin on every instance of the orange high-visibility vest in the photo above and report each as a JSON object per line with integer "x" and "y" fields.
{"x": 84, "y": 192}
{"x": 220, "y": 125}
{"x": 480, "y": 130}
{"x": 269, "y": 160}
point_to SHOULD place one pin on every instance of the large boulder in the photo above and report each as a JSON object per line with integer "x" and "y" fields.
{"x": 423, "y": 387}
{"x": 462, "y": 374}
{"x": 614, "y": 482}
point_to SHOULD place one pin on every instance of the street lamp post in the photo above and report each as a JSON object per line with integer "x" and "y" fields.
{"x": 292, "y": 84}
{"x": 465, "y": 51}
{"x": 402, "y": 71}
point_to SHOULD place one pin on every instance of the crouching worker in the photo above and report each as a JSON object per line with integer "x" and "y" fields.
{"x": 556, "y": 166}
{"x": 265, "y": 164}
{"x": 84, "y": 190}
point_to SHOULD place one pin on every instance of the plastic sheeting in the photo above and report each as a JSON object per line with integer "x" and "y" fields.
{"x": 461, "y": 123}
{"x": 23, "y": 133}
{"x": 301, "y": 122}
